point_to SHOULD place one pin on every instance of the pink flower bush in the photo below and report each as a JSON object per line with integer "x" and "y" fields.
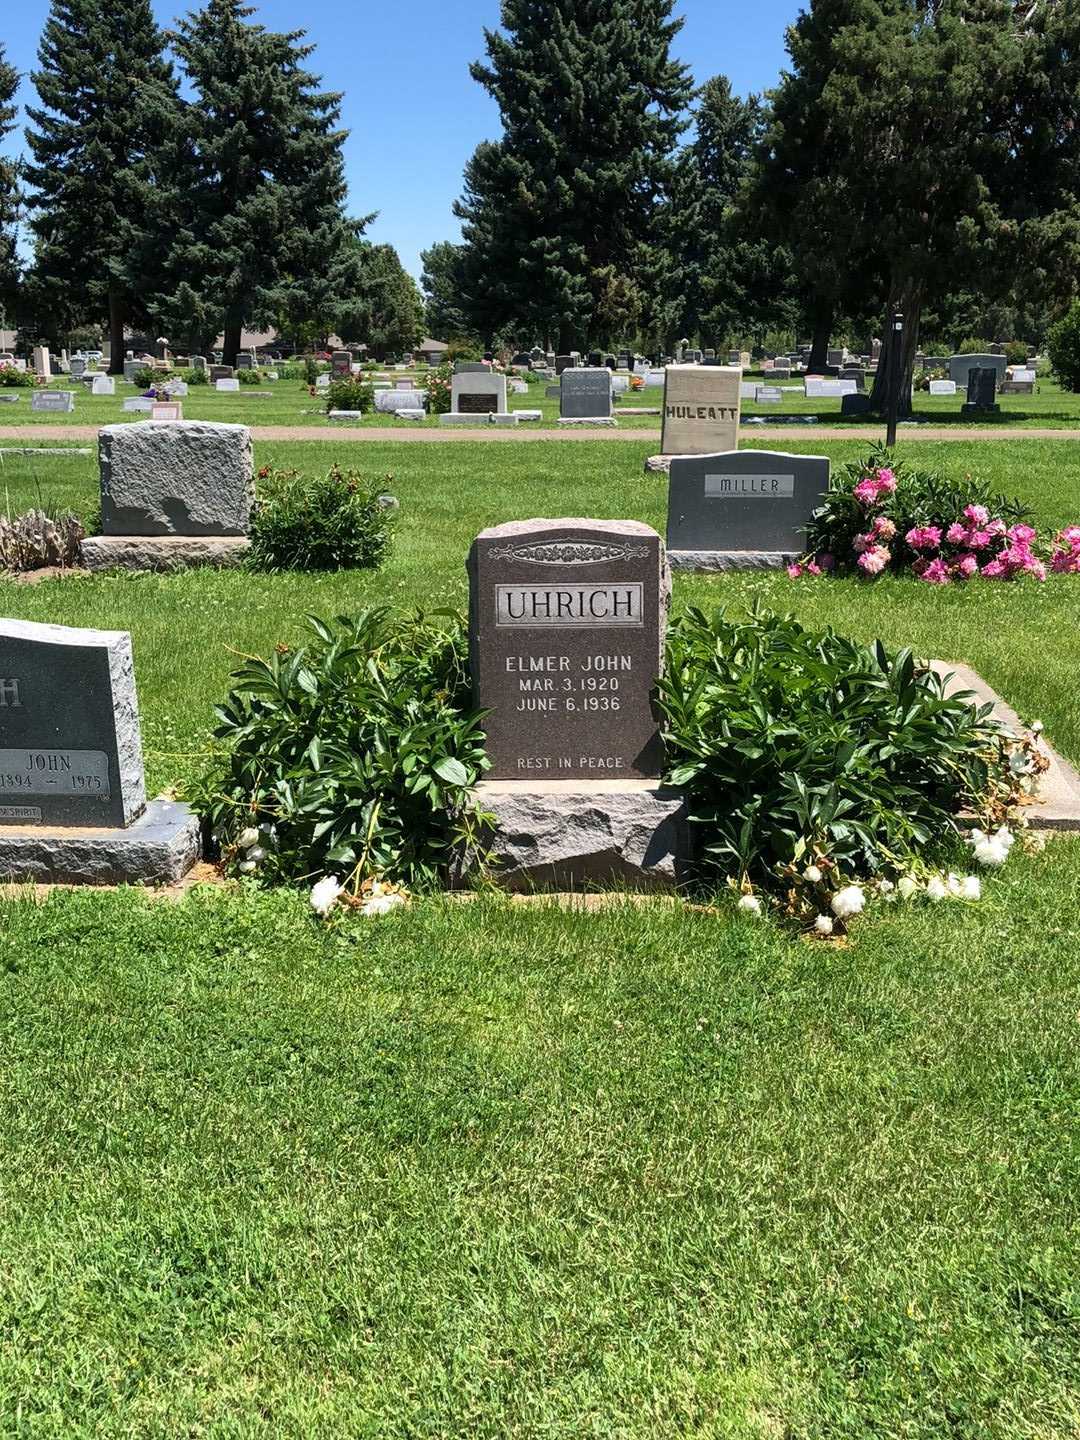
{"x": 872, "y": 562}
{"x": 870, "y": 490}
{"x": 1066, "y": 557}
{"x": 925, "y": 537}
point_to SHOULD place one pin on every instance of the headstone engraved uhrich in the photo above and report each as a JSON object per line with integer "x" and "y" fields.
{"x": 702, "y": 408}
{"x": 72, "y": 796}
{"x": 174, "y": 493}
{"x": 981, "y": 391}
{"x": 585, "y": 394}
{"x": 566, "y": 639}
{"x": 743, "y": 510}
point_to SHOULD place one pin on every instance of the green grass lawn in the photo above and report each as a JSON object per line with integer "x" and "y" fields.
{"x": 486, "y": 1171}
{"x": 287, "y": 402}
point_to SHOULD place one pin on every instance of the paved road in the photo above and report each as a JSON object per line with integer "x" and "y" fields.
{"x": 793, "y": 434}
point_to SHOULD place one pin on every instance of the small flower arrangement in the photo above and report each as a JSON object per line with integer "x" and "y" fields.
{"x": 439, "y": 390}
{"x": 882, "y": 516}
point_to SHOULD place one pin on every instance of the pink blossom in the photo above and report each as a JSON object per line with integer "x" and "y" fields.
{"x": 1022, "y": 534}
{"x": 863, "y": 542}
{"x": 978, "y": 539}
{"x": 884, "y": 528}
{"x": 956, "y": 533}
{"x": 996, "y": 527}
{"x": 926, "y": 537}
{"x": 866, "y": 492}
{"x": 794, "y": 571}
{"x": 995, "y": 570}
{"x": 886, "y": 481}
{"x": 977, "y": 514}
{"x": 872, "y": 562}
{"x": 966, "y": 566}
{"x": 813, "y": 568}
{"x": 936, "y": 573}
{"x": 1070, "y": 535}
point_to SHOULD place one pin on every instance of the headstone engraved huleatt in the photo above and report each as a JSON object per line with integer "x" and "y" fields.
{"x": 567, "y": 622}
{"x": 702, "y": 408}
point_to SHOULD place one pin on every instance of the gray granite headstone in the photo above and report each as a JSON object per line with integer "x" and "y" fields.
{"x": 586, "y": 393}
{"x": 341, "y": 362}
{"x": 179, "y": 477}
{"x": 131, "y": 369}
{"x": 70, "y": 749}
{"x": 471, "y": 367}
{"x": 567, "y": 621}
{"x": 78, "y": 368}
{"x": 60, "y": 402}
{"x": 198, "y": 362}
{"x": 221, "y": 372}
{"x": 743, "y": 501}
{"x": 961, "y": 365}
{"x": 243, "y": 362}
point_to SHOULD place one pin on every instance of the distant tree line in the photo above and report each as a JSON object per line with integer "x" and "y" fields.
{"x": 188, "y": 218}
{"x": 919, "y": 155}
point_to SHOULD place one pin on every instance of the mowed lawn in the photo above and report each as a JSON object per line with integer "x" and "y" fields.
{"x": 502, "y": 1171}
{"x": 289, "y": 403}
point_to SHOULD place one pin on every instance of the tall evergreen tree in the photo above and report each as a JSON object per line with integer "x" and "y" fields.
{"x": 556, "y": 213}
{"x": 384, "y": 310}
{"x": 441, "y": 281}
{"x": 108, "y": 107}
{"x": 259, "y": 190}
{"x": 9, "y": 187}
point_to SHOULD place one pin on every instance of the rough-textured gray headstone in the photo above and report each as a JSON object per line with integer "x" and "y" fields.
{"x": 131, "y": 369}
{"x": 567, "y": 622}
{"x": 184, "y": 477}
{"x": 53, "y": 402}
{"x": 70, "y": 748}
{"x": 742, "y": 500}
{"x": 585, "y": 392}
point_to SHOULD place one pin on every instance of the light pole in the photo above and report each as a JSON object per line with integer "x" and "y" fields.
{"x": 896, "y": 339}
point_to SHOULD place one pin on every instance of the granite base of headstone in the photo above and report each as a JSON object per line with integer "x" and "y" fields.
{"x": 567, "y": 624}
{"x": 73, "y": 807}
{"x": 742, "y": 510}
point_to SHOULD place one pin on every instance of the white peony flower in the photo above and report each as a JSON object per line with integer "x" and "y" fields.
{"x": 382, "y": 904}
{"x": 1037, "y": 728}
{"x": 824, "y": 924}
{"x": 886, "y": 887}
{"x": 246, "y": 867}
{"x": 812, "y": 873}
{"x": 256, "y": 854}
{"x": 248, "y": 838}
{"x": 1021, "y": 763}
{"x": 935, "y": 888}
{"x": 908, "y": 886}
{"x": 324, "y": 894}
{"x": 750, "y": 903}
{"x": 990, "y": 853}
{"x": 848, "y": 902}
{"x": 952, "y": 884}
{"x": 970, "y": 888}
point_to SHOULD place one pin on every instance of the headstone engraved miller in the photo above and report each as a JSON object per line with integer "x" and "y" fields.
{"x": 72, "y": 796}
{"x": 743, "y": 510}
{"x": 567, "y": 621}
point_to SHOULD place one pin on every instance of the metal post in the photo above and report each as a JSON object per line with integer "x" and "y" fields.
{"x": 896, "y": 340}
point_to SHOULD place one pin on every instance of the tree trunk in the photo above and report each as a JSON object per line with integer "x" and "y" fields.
{"x": 231, "y": 342}
{"x": 819, "y": 350}
{"x": 116, "y": 333}
{"x": 905, "y": 295}
{"x": 566, "y": 339}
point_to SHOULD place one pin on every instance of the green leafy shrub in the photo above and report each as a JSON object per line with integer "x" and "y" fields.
{"x": 11, "y": 378}
{"x": 972, "y": 345}
{"x": 796, "y": 745}
{"x": 329, "y": 522}
{"x": 249, "y": 377}
{"x": 1063, "y": 348}
{"x": 312, "y": 369}
{"x": 148, "y": 378}
{"x": 197, "y": 377}
{"x": 1016, "y": 353}
{"x": 350, "y": 392}
{"x": 439, "y": 385}
{"x": 354, "y": 755}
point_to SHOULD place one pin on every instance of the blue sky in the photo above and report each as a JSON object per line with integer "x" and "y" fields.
{"x": 414, "y": 112}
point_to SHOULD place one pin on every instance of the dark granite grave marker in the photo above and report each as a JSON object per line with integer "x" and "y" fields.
{"x": 567, "y": 623}
{"x": 742, "y": 501}
{"x": 70, "y": 752}
{"x": 563, "y": 362}
{"x": 478, "y": 404}
{"x": 981, "y": 390}
{"x": 585, "y": 394}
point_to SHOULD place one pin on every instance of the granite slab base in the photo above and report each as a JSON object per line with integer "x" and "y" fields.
{"x": 162, "y": 552}
{"x": 570, "y": 834}
{"x": 157, "y": 849}
{"x": 708, "y": 561}
{"x": 570, "y": 422}
{"x": 1057, "y": 805}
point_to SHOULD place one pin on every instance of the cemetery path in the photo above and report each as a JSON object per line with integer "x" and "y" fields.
{"x": 424, "y": 435}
